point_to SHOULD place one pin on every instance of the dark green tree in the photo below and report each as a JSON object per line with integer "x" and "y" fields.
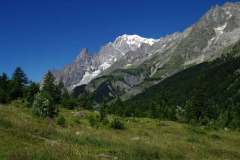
{"x": 51, "y": 88}
{"x": 18, "y": 82}
{"x": 235, "y": 116}
{"x": 85, "y": 102}
{"x": 49, "y": 83}
{"x": 32, "y": 90}
{"x": 45, "y": 102}
{"x": 68, "y": 101}
{"x": 4, "y": 88}
{"x": 59, "y": 90}
{"x": 197, "y": 108}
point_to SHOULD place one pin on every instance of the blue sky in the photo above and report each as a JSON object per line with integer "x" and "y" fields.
{"x": 38, "y": 35}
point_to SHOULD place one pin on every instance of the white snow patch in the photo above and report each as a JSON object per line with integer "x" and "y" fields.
{"x": 210, "y": 42}
{"x": 212, "y": 39}
{"x": 164, "y": 46}
{"x": 88, "y": 76}
{"x": 220, "y": 30}
{"x": 128, "y": 65}
{"x": 104, "y": 66}
{"x": 135, "y": 41}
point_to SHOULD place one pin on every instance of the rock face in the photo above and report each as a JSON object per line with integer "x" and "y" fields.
{"x": 132, "y": 63}
{"x": 87, "y": 67}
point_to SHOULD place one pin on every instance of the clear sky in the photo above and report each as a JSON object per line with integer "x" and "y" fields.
{"x": 38, "y": 35}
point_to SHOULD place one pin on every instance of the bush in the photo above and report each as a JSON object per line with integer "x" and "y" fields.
{"x": 93, "y": 120}
{"x": 61, "y": 120}
{"x": 18, "y": 103}
{"x": 105, "y": 121}
{"x": 103, "y": 113}
{"x": 69, "y": 103}
{"x": 43, "y": 106}
{"x": 117, "y": 124}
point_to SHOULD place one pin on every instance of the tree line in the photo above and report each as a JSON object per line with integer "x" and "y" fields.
{"x": 44, "y": 98}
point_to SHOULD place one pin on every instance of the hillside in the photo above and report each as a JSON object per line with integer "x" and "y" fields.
{"x": 216, "y": 83}
{"x": 24, "y": 137}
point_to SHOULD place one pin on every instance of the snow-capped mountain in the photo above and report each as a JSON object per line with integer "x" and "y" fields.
{"x": 132, "y": 42}
{"x": 87, "y": 67}
{"x": 132, "y": 63}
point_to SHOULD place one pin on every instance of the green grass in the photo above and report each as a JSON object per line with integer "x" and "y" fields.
{"x": 25, "y": 137}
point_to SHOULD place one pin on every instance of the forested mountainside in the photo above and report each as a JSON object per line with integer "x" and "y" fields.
{"x": 205, "y": 92}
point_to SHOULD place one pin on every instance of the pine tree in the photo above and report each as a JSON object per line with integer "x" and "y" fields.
{"x": 4, "y": 88}
{"x": 68, "y": 101}
{"x": 49, "y": 83}
{"x": 45, "y": 102}
{"x": 197, "y": 107}
{"x": 59, "y": 90}
{"x": 19, "y": 80}
{"x": 50, "y": 88}
{"x": 32, "y": 90}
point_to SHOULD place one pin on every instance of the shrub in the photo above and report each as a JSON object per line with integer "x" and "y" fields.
{"x": 117, "y": 124}
{"x": 43, "y": 105}
{"x": 93, "y": 120}
{"x": 103, "y": 113}
{"x": 69, "y": 103}
{"x": 105, "y": 121}
{"x": 18, "y": 103}
{"x": 4, "y": 123}
{"x": 61, "y": 120}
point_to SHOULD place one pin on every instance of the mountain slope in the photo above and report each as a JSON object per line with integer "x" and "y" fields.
{"x": 218, "y": 81}
{"x": 147, "y": 66}
{"x": 130, "y": 64}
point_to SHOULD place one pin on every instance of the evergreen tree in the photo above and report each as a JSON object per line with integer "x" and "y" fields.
{"x": 85, "y": 102}
{"x": 49, "y": 83}
{"x": 19, "y": 80}
{"x": 235, "y": 116}
{"x": 68, "y": 101}
{"x": 32, "y": 90}
{"x": 50, "y": 88}
{"x": 59, "y": 90}
{"x": 197, "y": 107}
{"x": 4, "y": 88}
{"x": 45, "y": 102}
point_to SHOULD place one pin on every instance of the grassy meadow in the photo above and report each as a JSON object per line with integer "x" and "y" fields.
{"x": 25, "y": 137}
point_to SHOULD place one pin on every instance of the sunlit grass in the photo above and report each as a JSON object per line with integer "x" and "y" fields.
{"x": 23, "y": 137}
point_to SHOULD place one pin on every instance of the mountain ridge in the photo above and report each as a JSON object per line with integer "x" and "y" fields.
{"x": 153, "y": 62}
{"x": 85, "y": 63}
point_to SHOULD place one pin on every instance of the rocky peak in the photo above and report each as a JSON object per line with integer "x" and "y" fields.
{"x": 83, "y": 57}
